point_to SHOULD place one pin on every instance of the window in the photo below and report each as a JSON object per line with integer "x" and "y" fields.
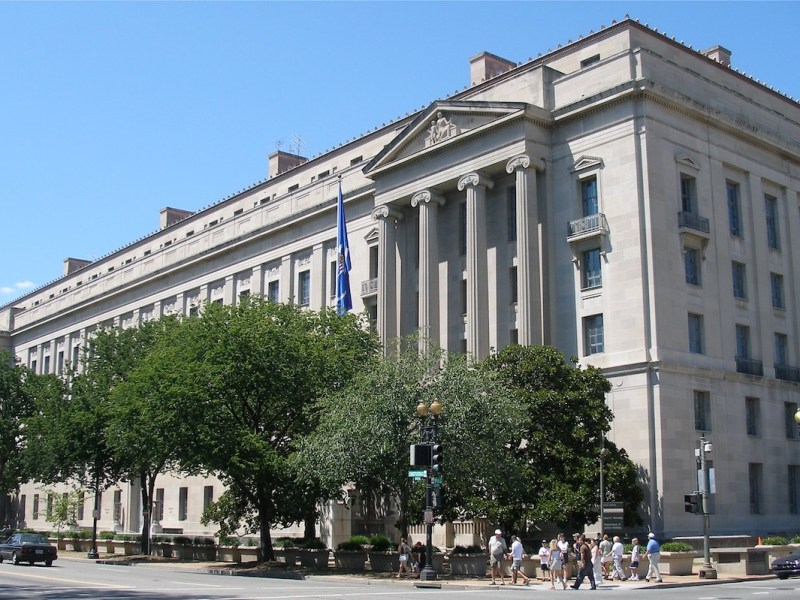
{"x": 794, "y": 489}
{"x": 593, "y": 334}
{"x": 60, "y": 363}
{"x": 742, "y": 341}
{"x": 273, "y": 291}
{"x": 734, "y": 209}
{"x": 243, "y": 294}
{"x": 293, "y": 187}
{"x": 511, "y": 211}
{"x": 776, "y": 284}
{"x": 739, "y": 281}
{"x": 373, "y": 261}
{"x": 49, "y": 509}
{"x": 755, "y": 480}
{"x": 696, "y": 345}
{"x": 208, "y": 497}
{"x": 158, "y": 505}
{"x": 183, "y": 501}
{"x": 781, "y": 349}
{"x": 21, "y": 509}
{"x": 194, "y": 310}
{"x": 592, "y": 274}
{"x": 789, "y": 409}
{"x": 35, "y": 506}
{"x": 117, "y": 506}
{"x": 81, "y": 502}
{"x": 590, "y": 61}
{"x": 753, "y": 415}
{"x": 688, "y": 194}
{"x": 771, "y": 211}
{"x": 462, "y": 229}
{"x": 589, "y": 197}
{"x": 691, "y": 265}
{"x": 512, "y": 281}
{"x": 46, "y": 368}
{"x": 304, "y": 288}
{"x": 333, "y": 276}
{"x": 702, "y": 411}
{"x": 514, "y": 336}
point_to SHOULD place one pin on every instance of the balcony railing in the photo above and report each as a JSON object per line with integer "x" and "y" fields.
{"x": 749, "y": 366}
{"x": 369, "y": 287}
{"x": 694, "y": 221}
{"x": 587, "y": 226}
{"x": 787, "y": 373}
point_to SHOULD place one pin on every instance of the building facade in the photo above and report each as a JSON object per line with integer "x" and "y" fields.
{"x": 625, "y": 198}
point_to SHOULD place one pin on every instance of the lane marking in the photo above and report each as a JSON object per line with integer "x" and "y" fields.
{"x": 77, "y": 582}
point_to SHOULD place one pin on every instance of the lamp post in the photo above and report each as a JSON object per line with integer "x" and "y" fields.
{"x": 707, "y": 571}
{"x": 602, "y": 488}
{"x": 428, "y": 432}
{"x": 93, "y": 554}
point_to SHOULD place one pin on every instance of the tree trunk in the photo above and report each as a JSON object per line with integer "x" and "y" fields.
{"x": 265, "y": 521}
{"x": 310, "y": 523}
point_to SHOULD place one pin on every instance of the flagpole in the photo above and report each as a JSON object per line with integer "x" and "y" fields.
{"x": 344, "y": 300}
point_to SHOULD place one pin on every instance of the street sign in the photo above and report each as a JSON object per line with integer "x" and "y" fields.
{"x": 429, "y": 516}
{"x": 613, "y": 516}
{"x": 417, "y": 474}
{"x": 437, "y": 481}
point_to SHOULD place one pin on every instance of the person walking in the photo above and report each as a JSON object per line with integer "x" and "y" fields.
{"x": 404, "y": 550}
{"x": 653, "y": 554}
{"x": 605, "y": 555}
{"x": 617, "y": 550}
{"x": 544, "y": 560}
{"x": 563, "y": 546}
{"x": 594, "y": 544}
{"x": 517, "y": 554}
{"x": 497, "y": 552}
{"x": 556, "y": 566}
{"x": 635, "y": 552}
{"x": 585, "y": 566}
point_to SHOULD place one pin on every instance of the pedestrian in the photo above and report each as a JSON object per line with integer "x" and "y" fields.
{"x": 563, "y": 546}
{"x": 517, "y": 554}
{"x": 497, "y": 552}
{"x": 635, "y": 551}
{"x": 605, "y": 554}
{"x": 653, "y": 554}
{"x": 419, "y": 557}
{"x": 594, "y": 544}
{"x": 556, "y": 566}
{"x": 404, "y": 550}
{"x": 617, "y": 550}
{"x": 585, "y": 567}
{"x": 544, "y": 560}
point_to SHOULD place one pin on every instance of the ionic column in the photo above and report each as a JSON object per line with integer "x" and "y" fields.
{"x": 285, "y": 285}
{"x": 318, "y": 273}
{"x": 228, "y": 291}
{"x": 476, "y": 185}
{"x": 428, "y": 202}
{"x": 387, "y": 217}
{"x": 257, "y": 281}
{"x": 529, "y": 309}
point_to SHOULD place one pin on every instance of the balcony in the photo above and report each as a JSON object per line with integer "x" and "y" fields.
{"x": 586, "y": 227}
{"x": 787, "y": 373}
{"x": 369, "y": 287}
{"x": 690, "y": 220}
{"x": 749, "y": 366}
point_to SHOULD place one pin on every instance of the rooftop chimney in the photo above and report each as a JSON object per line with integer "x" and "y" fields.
{"x": 281, "y": 161}
{"x": 74, "y": 264}
{"x": 486, "y": 65}
{"x": 170, "y": 216}
{"x": 719, "y": 54}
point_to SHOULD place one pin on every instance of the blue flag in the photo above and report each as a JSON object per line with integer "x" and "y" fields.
{"x": 344, "y": 301}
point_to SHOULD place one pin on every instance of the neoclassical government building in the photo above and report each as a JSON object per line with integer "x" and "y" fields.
{"x": 625, "y": 198}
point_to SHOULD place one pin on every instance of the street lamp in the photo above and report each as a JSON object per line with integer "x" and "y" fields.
{"x": 603, "y": 452}
{"x": 707, "y": 571}
{"x": 428, "y": 432}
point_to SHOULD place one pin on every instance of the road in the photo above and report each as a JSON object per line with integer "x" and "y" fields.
{"x": 73, "y": 580}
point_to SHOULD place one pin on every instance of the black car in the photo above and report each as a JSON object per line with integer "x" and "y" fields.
{"x": 28, "y": 547}
{"x": 787, "y": 566}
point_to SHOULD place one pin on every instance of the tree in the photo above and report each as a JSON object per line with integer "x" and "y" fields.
{"x": 566, "y": 419}
{"x": 261, "y": 368}
{"x": 366, "y": 429}
{"x": 64, "y": 511}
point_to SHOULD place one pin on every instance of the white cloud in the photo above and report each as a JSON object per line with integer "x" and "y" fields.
{"x": 24, "y": 285}
{"x": 7, "y": 290}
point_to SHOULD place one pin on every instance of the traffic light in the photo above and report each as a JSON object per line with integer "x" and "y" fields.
{"x": 437, "y": 498}
{"x": 420, "y": 455}
{"x": 436, "y": 458}
{"x": 693, "y": 503}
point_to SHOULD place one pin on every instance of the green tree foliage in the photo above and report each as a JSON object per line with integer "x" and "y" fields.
{"x": 565, "y": 421}
{"x": 366, "y": 428}
{"x": 16, "y": 404}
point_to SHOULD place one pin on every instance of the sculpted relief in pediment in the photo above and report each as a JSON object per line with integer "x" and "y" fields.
{"x": 441, "y": 129}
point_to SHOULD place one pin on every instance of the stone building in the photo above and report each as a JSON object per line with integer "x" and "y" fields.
{"x": 625, "y": 198}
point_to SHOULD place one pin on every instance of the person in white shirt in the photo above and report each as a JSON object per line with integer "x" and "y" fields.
{"x": 517, "y": 554}
{"x": 497, "y": 552}
{"x": 544, "y": 560}
{"x": 617, "y": 549}
{"x": 635, "y": 553}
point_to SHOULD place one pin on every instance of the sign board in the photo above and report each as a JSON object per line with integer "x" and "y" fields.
{"x": 428, "y": 516}
{"x": 613, "y": 516}
{"x": 613, "y": 506}
{"x": 417, "y": 474}
{"x": 437, "y": 481}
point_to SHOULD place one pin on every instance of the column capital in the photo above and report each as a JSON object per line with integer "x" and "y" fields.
{"x": 523, "y": 161}
{"x": 386, "y": 211}
{"x": 476, "y": 178}
{"x": 426, "y": 196}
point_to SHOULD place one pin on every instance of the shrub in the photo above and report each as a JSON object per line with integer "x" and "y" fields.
{"x": 157, "y": 539}
{"x": 775, "y": 540}
{"x": 381, "y": 543}
{"x": 250, "y": 543}
{"x": 203, "y": 541}
{"x": 107, "y": 535}
{"x": 795, "y": 540}
{"x": 182, "y": 540}
{"x": 676, "y": 547}
{"x": 467, "y": 550}
{"x": 85, "y": 535}
{"x": 285, "y": 542}
{"x": 233, "y": 542}
{"x": 354, "y": 544}
{"x": 313, "y": 544}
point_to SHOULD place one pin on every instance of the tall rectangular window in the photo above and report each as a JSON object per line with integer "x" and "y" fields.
{"x": 781, "y": 349}
{"x": 755, "y": 479}
{"x": 739, "y": 281}
{"x": 304, "y": 288}
{"x": 23, "y": 499}
{"x": 273, "y": 291}
{"x": 752, "y": 408}
{"x": 158, "y": 505}
{"x": 512, "y": 280}
{"x": 183, "y": 502}
{"x": 117, "y": 506}
{"x": 702, "y": 411}
{"x": 46, "y": 369}
{"x": 592, "y": 274}
{"x": 789, "y": 409}
{"x": 60, "y": 364}
{"x": 696, "y": 345}
{"x": 208, "y": 497}
{"x": 589, "y": 197}
{"x": 742, "y": 341}
{"x": 793, "y": 476}
{"x": 333, "y": 277}
{"x": 36, "y": 506}
{"x": 511, "y": 211}
{"x": 771, "y": 211}
{"x": 81, "y": 504}
{"x": 734, "y": 209}
{"x": 776, "y": 286}
{"x": 593, "y": 334}
{"x": 688, "y": 194}
{"x": 691, "y": 265}
{"x": 49, "y": 508}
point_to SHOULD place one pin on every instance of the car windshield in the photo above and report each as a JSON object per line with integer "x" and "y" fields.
{"x": 32, "y": 538}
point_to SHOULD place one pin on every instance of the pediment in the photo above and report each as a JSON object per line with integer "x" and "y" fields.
{"x": 587, "y": 162}
{"x": 440, "y": 125}
{"x": 372, "y": 236}
{"x": 687, "y": 161}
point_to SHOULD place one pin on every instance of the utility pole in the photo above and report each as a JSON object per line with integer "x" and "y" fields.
{"x": 707, "y": 571}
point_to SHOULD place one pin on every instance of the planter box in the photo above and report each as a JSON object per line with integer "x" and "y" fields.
{"x": 314, "y": 559}
{"x": 468, "y": 564}
{"x": 529, "y": 566}
{"x": 352, "y": 561}
{"x": 126, "y": 548}
{"x": 286, "y": 555}
{"x": 161, "y": 549}
{"x": 73, "y": 545}
{"x": 204, "y": 553}
{"x": 228, "y": 554}
{"x": 774, "y": 552}
{"x": 644, "y": 564}
{"x": 384, "y": 562}
{"x": 250, "y": 553}
{"x": 676, "y": 563}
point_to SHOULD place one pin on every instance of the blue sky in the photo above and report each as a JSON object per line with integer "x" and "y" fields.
{"x": 110, "y": 111}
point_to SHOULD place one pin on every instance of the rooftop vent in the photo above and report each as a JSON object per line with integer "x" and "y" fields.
{"x": 486, "y": 65}
{"x": 170, "y": 216}
{"x": 74, "y": 264}
{"x": 719, "y": 54}
{"x": 281, "y": 161}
